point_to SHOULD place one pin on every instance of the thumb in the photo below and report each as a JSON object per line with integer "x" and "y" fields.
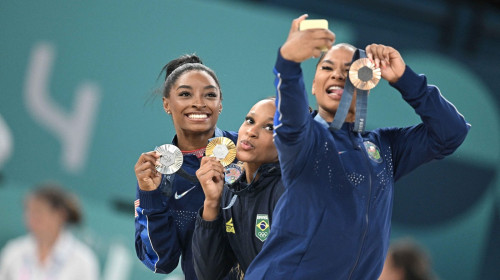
{"x": 296, "y": 22}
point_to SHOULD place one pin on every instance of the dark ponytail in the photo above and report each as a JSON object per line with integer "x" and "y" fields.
{"x": 174, "y": 64}
{"x": 185, "y": 63}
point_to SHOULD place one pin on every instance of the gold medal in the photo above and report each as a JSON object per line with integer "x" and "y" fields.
{"x": 363, "y": 74}
{"x": 223, "y": 149}
{"x": 170, "y": 159}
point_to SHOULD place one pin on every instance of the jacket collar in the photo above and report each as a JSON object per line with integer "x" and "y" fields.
{"x": 325, "y": 124}
{"x": 218, "y": 133}
{"x": 267, "y": 172}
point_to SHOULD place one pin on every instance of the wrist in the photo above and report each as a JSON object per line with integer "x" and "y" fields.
{"x": 211, "y": 204}
{"x": 147, "y": 187}
{"x": 210, "y": 210}
{"x": 283, "y": 54}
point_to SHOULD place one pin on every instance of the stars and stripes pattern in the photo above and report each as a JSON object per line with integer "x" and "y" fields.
{"x": 136, "y": 204}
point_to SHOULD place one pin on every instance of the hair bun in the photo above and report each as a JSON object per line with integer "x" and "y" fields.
{"x": 176, "y": 63}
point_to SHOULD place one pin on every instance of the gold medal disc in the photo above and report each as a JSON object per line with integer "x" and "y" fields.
{"x": 223, "y": 149}
{"x": 363, "y": 74}
{"x": 170, "y": 160}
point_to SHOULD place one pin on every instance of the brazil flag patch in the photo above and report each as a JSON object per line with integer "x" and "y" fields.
{"x": 262, "y": 227}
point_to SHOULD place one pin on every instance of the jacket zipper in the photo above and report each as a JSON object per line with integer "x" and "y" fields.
{"x": 367, "y": 210}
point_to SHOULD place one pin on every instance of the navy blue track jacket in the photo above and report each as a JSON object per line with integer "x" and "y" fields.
{"x": 334, "y": 219}
{"x": 236, "y": 236}
{"x": 164, "y": 224}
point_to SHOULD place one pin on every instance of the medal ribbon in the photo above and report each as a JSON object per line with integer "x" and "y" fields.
{"x": 346, "y": 99}
{"x": 167, "y": 183}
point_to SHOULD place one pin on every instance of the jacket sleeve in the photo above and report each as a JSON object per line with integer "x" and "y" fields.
{"x": 156, "y": 242}
{"x": 442, "y": 131}
{"x": 292, "y": 120}
{"x": 212, "y": 254}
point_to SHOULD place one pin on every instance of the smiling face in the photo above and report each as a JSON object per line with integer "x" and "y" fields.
{"x": 329, "y": 81}
{"x": 194, "y": 102}
{"x": 255, "y": 137}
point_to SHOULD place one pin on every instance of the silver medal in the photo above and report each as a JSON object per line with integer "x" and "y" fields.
{"x": 170, "y": 159}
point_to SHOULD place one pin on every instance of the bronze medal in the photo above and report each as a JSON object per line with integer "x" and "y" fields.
{"x": 363, "y": 74}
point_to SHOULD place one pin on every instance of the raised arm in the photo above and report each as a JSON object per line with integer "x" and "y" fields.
{"x": 443, "y": 128}
{"x": 292, "y": 110}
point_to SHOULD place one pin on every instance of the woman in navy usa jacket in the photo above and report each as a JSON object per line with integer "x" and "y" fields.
{"x": 166, "y": 206}
{"x": 334, "y": 218}
{"x": 236, "y": 219}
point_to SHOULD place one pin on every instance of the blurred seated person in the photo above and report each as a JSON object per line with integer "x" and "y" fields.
{"x": 407, "y": 260}
{"x": 49, "y": 250}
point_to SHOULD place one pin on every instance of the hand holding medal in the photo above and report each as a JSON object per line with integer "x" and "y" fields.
{"x": 224, "y": 150}
{"x": 389, "y": 61}
{"x": 363, "y": 76}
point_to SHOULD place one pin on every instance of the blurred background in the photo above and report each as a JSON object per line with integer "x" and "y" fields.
{"x": 76, "y": 106}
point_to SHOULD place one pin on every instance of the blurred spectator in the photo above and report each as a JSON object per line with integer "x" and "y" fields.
{"x": 49, "y": 250}
{"x": 407, "y": 260}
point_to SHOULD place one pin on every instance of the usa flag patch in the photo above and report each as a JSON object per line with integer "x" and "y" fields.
{"x": 136, "y": 204}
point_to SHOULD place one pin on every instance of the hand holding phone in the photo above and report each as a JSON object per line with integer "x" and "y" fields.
{"x": 314, "y": 24}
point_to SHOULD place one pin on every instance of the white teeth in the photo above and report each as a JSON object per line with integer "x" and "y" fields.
{"x": 197, "y": 116}
{"x": 334, "y": 88}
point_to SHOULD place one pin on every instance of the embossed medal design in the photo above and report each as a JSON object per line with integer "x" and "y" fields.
{"x": 363, "y": 74}
{"x": 170, "y": 160}
{"x": 223, "y": 149}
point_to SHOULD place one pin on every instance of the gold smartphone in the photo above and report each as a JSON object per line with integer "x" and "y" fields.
{"x": 313, "y": 23}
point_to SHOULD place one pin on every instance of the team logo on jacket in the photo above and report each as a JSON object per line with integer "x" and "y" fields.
{"x": 230, "y": 226}
{"x": 262, "y": 227}
{"x": 373, "y": 151}
{"x": 233, "y": 172}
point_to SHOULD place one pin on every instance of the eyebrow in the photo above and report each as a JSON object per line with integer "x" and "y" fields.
{"x": 331, "y": 62}
{"x": 190, "y": 87}
{"x": 253, "y": 113}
